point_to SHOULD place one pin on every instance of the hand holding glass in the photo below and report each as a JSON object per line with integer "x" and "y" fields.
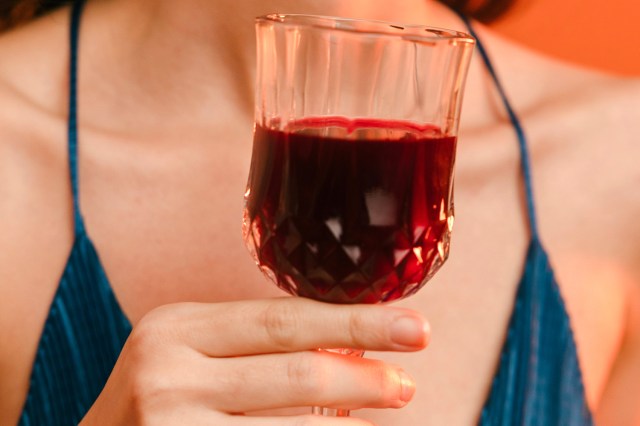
{"x": 350, "y": 191}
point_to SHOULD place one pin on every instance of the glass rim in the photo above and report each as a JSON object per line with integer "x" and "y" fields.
{"x": 414, "y": 32}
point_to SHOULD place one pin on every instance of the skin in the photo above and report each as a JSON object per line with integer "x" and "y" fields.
{"x": 165, "y": 131}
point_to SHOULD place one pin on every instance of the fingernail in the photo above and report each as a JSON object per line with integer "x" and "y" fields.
{"x": 409, "y": 331}
{"x": 408, "y": 386}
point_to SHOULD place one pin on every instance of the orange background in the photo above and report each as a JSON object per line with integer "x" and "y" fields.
{"x": 603, "y": 34}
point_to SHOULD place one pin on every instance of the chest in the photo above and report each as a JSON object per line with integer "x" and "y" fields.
{"x": 181, "y": 209}
{"x": 189, "y": 233}
{"x": 166, "y": 222}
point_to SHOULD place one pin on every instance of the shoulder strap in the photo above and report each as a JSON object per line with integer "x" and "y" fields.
{"x": 522, "y": 140}
{"x": 72, "y": 137}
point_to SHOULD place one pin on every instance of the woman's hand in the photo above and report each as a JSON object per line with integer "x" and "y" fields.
{"x": 191, "y": 364}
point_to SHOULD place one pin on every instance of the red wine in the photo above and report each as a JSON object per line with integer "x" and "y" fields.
{"x": 350, "y": 211}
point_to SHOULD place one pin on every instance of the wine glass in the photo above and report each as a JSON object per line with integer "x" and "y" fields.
{"x": 350, "y": 191}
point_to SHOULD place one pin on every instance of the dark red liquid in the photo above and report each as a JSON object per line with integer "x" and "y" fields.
{"x": 350, "y": 211}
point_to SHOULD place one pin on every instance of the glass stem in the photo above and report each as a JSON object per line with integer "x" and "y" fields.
{"x": 337, "y": 412}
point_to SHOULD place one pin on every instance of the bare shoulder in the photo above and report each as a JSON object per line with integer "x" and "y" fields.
{"x": 33, "y": 70}
{"x": 34, "y": 60}
{"x": 32, "y": 113}
{"x": 584, "y": 145}
{"x": 34, "y": 212}
{"x": 582, "y": 128}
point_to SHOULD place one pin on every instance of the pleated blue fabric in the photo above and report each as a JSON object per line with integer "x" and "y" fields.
{"x": 86, "y": 328}
{"x": 80, "y": 343}
{"x": 538, "y": 381}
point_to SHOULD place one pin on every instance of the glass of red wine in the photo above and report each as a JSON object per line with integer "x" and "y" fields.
{"x": 350, "y": 191}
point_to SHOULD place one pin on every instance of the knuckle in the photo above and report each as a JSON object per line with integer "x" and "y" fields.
{"x": 161, "y": 387}
{"x": 148, "y": 390}
{"x": 281, "y": 321}
{"x": 231, "y": 381}
{"x": 152, "y": 338}
{"x": 308, "y": 374}
{"x": 358, "y": 329}
{"x": 158, "y": 326}
{"x": 145, "y": 336}
{"x": 153, "y": 370}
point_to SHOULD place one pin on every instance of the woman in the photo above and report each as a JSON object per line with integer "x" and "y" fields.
{"x": 164, "y": 118}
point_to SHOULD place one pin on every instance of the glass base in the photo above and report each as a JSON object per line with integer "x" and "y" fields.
{"x": 329, "y": 412}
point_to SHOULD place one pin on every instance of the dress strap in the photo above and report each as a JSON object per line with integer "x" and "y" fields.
{"x": 72, "y": 124}
{"x": 522, "y": 140}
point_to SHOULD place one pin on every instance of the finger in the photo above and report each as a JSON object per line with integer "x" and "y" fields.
{"x": 294, "y": 324}
{"x": 309, "y": 420}
{"x": 313, "y": 378}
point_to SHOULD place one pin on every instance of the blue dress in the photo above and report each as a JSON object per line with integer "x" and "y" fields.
{"x": 538, "y": 380}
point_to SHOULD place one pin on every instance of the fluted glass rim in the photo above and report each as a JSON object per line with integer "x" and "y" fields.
{"x": 409, "y": 32}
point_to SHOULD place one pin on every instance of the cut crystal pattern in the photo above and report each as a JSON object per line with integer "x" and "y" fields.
{"x": 320, "y": 267}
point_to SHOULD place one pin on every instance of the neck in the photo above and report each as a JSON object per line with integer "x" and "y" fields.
{"x": 192, "y": 59}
